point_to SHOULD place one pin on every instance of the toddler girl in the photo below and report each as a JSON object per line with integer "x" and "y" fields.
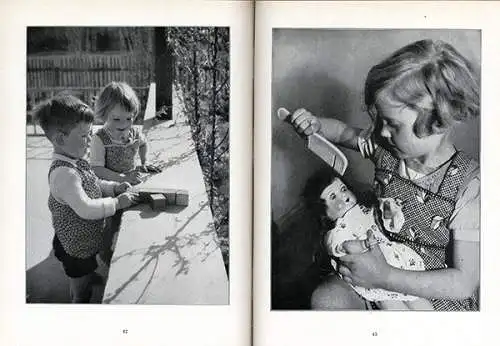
{"x": 415, "y": 97}
{"x": 114, "y": 147}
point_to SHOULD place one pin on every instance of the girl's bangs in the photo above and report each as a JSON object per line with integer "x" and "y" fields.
{"x": 410, "y": 89}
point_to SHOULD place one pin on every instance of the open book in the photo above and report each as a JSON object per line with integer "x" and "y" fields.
{"x": 224, "y": 248}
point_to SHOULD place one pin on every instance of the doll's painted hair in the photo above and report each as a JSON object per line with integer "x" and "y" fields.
{"x": 116, "y": 93}
{"x": 431, "y": 77}
{"x": 62, "y": 113}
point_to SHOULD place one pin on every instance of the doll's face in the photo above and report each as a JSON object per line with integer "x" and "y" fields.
{"x": 338, "y": 199}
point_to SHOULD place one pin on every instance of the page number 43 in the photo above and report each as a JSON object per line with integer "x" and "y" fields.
{"x": 374, "y": 334}
{"x": 124, "y": 331}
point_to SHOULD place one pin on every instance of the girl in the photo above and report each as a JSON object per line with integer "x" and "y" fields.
{"x": 115, "y": 146}
{"x": 414, "y": 97}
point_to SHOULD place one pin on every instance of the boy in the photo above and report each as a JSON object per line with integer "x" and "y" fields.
{"x": 76, "y": 199}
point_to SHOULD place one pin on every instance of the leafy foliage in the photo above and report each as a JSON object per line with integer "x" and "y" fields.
{"x": 202, "y": 81}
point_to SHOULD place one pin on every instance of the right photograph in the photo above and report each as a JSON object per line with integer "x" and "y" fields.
{"x": 375, "y": 175}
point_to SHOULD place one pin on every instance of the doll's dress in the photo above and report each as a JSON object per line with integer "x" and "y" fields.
{"x": 354, "y": 226}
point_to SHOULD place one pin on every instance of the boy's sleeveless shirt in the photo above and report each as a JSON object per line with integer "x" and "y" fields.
{"x": 426, "y": 213}
{"x": 79, "y": 237}
{"x": 120, "y": 157}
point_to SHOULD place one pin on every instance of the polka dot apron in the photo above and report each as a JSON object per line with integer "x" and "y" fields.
{"x": 79, "y": 237}
{"x": 426, "y": 215}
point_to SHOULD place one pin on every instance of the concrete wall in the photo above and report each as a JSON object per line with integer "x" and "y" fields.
{"x": 324, "y": 71}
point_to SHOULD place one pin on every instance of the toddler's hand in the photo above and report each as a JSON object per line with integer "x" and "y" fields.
{"x": 127, "y": 199}
{"x": 133, "y": 177}
{"x": 149, "y": 168}
{"x": 304, "y": 122}
{"x": 121, "y": 188}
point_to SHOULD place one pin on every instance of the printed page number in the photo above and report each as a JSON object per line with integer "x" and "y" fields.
{"x": 124, "y": 331}
{"x": 374, "y": 334}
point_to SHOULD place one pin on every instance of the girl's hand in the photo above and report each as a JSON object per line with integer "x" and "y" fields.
{"x": 127, "y": 199}
{"x": 121, "y": 188}
{"x": 149, "y": 168}
{"x": 364, "y": 265}
{"x": 133, "y": 177}
{"x": 304, "y": 122}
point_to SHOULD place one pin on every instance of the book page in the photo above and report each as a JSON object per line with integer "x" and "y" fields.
{"x": 172, "y": 279}
{"x": 316, "y": 55}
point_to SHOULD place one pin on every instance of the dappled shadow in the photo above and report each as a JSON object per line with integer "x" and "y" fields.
{"x": 172, "y": 243}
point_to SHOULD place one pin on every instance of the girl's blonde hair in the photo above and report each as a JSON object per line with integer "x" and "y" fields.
{"x": 113, "y": 94}
{"x": 427, "y": 70}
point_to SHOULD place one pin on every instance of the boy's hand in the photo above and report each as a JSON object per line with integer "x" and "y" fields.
{"x": 149, "y": 168}
{"x": 121, "y": 188}
{"x": 127, "y": 199}
{"x": 133, "y": 177}
{"x": 304, "y": 122}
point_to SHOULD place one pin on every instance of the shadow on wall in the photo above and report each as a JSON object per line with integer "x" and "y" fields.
{"x": 292, "y": 162}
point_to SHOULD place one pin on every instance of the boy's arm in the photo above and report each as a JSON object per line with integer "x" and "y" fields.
{"x": 66, "y": 186}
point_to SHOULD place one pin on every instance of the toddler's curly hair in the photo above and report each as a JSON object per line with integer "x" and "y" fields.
{"x": 431, "y": 77}
{"x": 116, "y": 93}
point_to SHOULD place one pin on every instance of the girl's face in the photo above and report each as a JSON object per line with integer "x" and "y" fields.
{"x": 119, "y": 122}
{"x": 338, "y": 199}
{"x": 76, "y": 143}
{"x": 395, "y": 122}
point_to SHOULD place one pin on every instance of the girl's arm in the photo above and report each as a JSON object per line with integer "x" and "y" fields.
{"x": 340, "y": 133}
{"x": 143, "y": 151}
{"x": 370, "y": 270}
{"x": 108, "y": 174}
{"x": 333, "y": 130}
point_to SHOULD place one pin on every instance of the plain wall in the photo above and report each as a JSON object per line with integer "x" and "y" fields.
{"x": 324, "y": 71}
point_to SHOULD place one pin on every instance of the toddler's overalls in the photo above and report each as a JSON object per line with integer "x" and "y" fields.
{"x": 426, "y": 215}
{"x": 120, "y": 157}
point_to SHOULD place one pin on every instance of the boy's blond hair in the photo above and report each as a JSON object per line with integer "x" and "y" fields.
{"x": 113, "y": 94}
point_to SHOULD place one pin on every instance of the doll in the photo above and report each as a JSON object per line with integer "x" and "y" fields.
{"x": 352, "y": 222}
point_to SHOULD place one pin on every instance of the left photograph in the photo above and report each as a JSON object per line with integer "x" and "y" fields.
{"x": 127, "y": 165}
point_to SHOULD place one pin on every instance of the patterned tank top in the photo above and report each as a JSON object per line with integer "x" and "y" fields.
{"x": 120, "y": 157}
{"x": 79, "y": 237}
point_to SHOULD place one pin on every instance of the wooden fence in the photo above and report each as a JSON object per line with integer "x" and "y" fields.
{"x": 84, "y": 74}
{"x": 87, "y": 70}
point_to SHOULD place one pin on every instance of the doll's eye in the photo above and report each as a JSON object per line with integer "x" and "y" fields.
{"x": 343, "y": 189}
{"x": 332, "y": 196}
